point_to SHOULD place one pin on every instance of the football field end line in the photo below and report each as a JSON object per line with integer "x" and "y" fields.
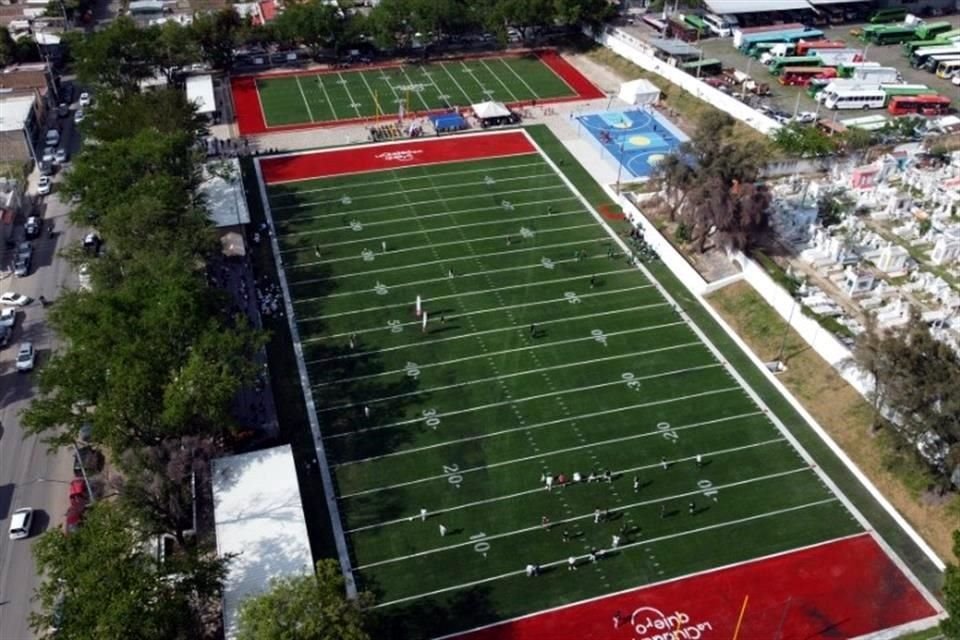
{"x": 363, "y": 187}
{"x": 487, "y": 272}
{"x": 556, "y": 214}
{"x": 491, "y": 354}
{"x": 540, "y": 396}
{"x": 506, "y": 167}
{"x": 434, "y": 245}
{"x": 467, "y": 505}
{"x": 477, "y": 292}
{"x": 505, "y": 376}
{"x": 592, "y": 514}
{"x": 425, "y": 216}
{"x": 542, "y": 323}
{"x": 538, "y": 425}
{"x": 629, "y": 545}
{"x": 412, "y": 203}
{"x": 651, "y": 585}
{"x": 545, "y": 454}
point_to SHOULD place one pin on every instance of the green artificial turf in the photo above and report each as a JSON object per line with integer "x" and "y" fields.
{"x": 543, "y": 353}
{"x": 368, "y": 93}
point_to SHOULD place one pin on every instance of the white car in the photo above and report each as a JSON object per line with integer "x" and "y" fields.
{"x": 8, "y": 317}
{"x": 52, "y": 138}
{"x": 26, "y": 357}
{"x": 61, "y": 156}
{"x": 20, "y": 523}
{"x": 85, "y": 99}
{"x": 14, "y": 298}
{"x": 44, "y": 184}
{"x": 78, "y": 116}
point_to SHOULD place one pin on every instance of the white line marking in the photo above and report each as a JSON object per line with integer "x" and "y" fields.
{"x": 374, "y": 98}
{"x": 519, "y": 77}
{"x": 461, "y": 385}
{"x": 306, "y": 103}
{"x": 412, "y": 84}
{"x": 346, "y": 88}
{"x": 329, "y": 102}
{"x": 469, "y": 100}
{"x": 623, "y": 546}
{"x": 502, "y": 84}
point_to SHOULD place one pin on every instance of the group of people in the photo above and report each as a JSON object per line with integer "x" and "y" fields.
{"x": 560, "y": 480}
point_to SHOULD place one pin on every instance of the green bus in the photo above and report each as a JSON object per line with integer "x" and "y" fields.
{"x": 761, "y": 48}
{"x": 706, "y": 67}
{"x": 882, "y": 16}
{"x": 912, "y": 45}
{"x": 698, "y": 24}
{"x": 906, "y": 90}
{"x": 892, "y": 35}
{"x": 932, "y": 30}
{"x": 779, "y": 64}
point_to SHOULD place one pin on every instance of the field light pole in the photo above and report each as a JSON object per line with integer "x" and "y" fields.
{"x": 786, "y": 332}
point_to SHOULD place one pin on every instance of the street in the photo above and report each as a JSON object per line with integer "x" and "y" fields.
{"x": 29, "y": 475}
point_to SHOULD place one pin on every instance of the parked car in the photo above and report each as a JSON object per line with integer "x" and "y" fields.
{"x": 46, "y": 169}
{"x": 8, "y": 317}
{"x": 85, "y": 99}
{"x": 26, "y": 357}
{"x": 49, "y": 155}
{"x": 78, "y": 116}
{"x": 44, "y": 185}
{"x": 61, "y": 156}
{"x": 5, "y": 334}
{"x": 63, "y": 110}
{"x": 33, "y": 227}
{"x": 52, "y": 138}
{"x": 14, "y": 298}
{"x": 20, "y": 523}
{"x": 21, "y": 266}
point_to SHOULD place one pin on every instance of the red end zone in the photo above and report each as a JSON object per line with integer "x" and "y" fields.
{"x": 841, "y": 589}
{"x": 410, "y": 153}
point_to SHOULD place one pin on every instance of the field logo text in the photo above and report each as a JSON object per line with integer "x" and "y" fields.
{"x": 406, "y": 155}
{"x": 652, "y": 624}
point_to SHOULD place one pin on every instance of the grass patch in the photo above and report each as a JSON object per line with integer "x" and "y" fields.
{"x": 842, "y": 411}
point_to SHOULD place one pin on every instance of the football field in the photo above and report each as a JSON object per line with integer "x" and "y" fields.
{"x": 324, "y": 97}
{"x": 547, "y": 405}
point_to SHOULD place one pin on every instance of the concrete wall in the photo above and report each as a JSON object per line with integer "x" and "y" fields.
{"x": 639, "y": 53}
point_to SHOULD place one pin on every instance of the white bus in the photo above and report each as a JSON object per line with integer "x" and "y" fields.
{"x": 722, "y": 26}
{"x": 855, "y": 99}
{"x": 876, "y": 74}
{"x": 948, "y": 68}
{"x": 845, "y": 84}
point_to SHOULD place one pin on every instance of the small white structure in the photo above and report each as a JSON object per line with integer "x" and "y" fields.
{"x": 893, "y": 259}
{"x": 639, "y": 91}
{"x": 490, "y": 109}
{"x": 857, "y": 282}
{"x": 200, "y": 93}
{"x": 947, "y": 247}
{"x": 259, "y": 518}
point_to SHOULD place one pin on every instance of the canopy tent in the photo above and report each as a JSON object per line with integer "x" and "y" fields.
{"x": 639, "y": 91}
{"x": 490, "y": 109}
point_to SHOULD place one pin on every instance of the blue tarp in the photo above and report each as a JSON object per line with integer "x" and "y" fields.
{"x": 452, "y": 121}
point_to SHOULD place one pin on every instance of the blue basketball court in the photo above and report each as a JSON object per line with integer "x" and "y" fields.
{"x": 637, "y": 139}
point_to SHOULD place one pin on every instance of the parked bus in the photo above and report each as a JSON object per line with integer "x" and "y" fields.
{"x": 707, "y": 67}
{"x": 876, "y": 74}
{"x": 920, "y": 56}
{"x": 906, "y": 90}
{"x": 795, "y": 35}
{"x": 741, "y": 32}
{"x": 697, "y": 23}
{"x": 757, "y": 51}
{"x": 802, "y": 76}
{"x": 912, "y": 45}
{"x": 925, "y": 105}
{"x": 817, "y": 86}
{"x": 885, "y": 35}
{"x": 882, "y": 16}
{"x": 777, "y": 65}
{"x": 948, "y": 68}
{"x": 683, "y": 31}
{"x": 932, "y": 30}
{"x": 933, "y": 62}
{"x": 721, "y": 26}
{"x": 656, "y": 24}
{"x": 804, "y": 46}
{"x": 854, "y": 99}
{"x": 847, "y": 70}
{"x": 837, "y": 57}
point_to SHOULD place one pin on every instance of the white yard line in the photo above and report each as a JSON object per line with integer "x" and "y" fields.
{"x": 466, "y": 96}
{"x": 484, "y": 91}
{"x": 538, "y": 425}
{"x": 493, "y": 354}
{"x": 331, "y": 245}
{"x": 406, "y": 305}
{"x": 306, "y": 102}
{"x": 630, "y": 545}
{"x": 460, "y": 276}
{"x": 460, "y": 385}
{"x": 419, "y": 95}
{"x": 374, "y": 97}
{"x": 329, "y": 101}
{"x": 502, "y": 83}
{"x": 346, "y": 88}
{"x": 444, "y": 261}
{"x": 463, "y": 336}
{"x": 519, "y": 77}
{"x": 440, "y": 93}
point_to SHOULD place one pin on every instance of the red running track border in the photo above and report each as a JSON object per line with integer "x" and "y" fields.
{"x": 393, "y": 155}
{"x": 252, "y": 121}
{"x": 841, "y": 589}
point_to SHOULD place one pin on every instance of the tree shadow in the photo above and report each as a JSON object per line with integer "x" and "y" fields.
{"x": 431, "y": 617}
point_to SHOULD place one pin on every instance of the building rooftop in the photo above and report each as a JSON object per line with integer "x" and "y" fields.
{"x": 675, "y": 48}
{"x": 15, "y": 111}
{"x": 200, "y": 92}
{"x": 751, "y": 6}
{"x": 259, "y": 517}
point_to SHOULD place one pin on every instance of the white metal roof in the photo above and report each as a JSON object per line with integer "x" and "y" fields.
{"x": 752, "y": 6}
{"x": 490, "y": 109}
{"x": 829, "y": 2}
{"x": 15, "y": 111}
{"x": 200, "y": 92}
{"x": 259, "y": 517}
{"x": 223, "y": 192}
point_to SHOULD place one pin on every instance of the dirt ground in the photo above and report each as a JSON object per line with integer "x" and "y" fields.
{"x": 844, "y": 414}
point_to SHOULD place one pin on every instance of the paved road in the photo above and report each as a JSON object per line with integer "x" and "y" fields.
{"x": 29, "y": 475}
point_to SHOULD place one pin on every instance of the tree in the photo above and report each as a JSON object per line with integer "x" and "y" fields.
{"x": 100, "y": 581}
{"x": 115, "y": 58}
{"x": 8, "y": 48}
{"x": 218, "y": 35}
{"x": 175, "y": 47}
{"x": 315, "y": 24}
{"x": 951, "y": 594}
{"x": 803, "y": 140}
{"x": 526, "y": 16}
{"x": 307, "y": 607}
{"x": 833, "y": 206}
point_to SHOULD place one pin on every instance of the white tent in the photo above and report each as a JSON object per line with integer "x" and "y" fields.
{"x": 484, "y": 110}
{"x": 639, "y": 91}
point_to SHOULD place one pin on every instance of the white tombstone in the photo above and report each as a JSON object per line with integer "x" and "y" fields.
{"x": 893, "y": 259}
{"x": 947, "y": 247}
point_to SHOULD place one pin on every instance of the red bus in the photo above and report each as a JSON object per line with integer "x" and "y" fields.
{"x": 658, "y": 25}
{"x": 801, "y": 76}
{"x": 926, "y": 105}
{"x": 804, "y": 46}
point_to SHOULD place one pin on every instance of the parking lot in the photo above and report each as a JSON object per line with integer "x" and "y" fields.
{"x": 786, "y": 98}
